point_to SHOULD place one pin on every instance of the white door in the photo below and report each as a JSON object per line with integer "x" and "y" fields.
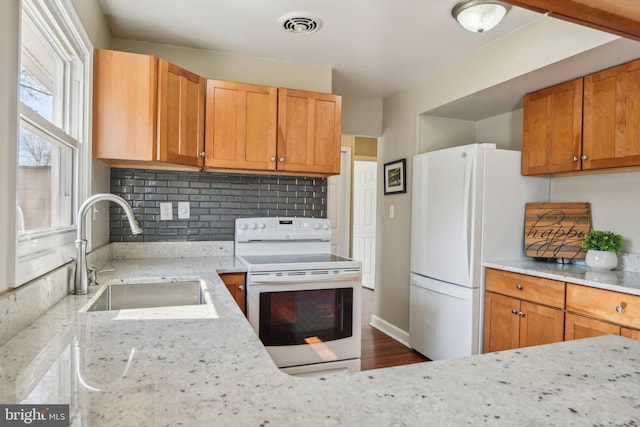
{"x": 364, "y": 218}
{"x": 339, "y": 205}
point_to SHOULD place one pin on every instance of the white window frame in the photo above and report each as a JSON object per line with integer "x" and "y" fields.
{"x": 39, "y": 252}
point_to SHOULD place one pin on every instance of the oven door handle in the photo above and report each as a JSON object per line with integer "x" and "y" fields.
{"x": 268, "y": 278}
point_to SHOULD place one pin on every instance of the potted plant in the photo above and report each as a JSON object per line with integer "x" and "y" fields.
{"x": 602, "y": 248}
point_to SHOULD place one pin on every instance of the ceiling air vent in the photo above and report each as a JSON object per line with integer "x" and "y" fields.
{"x": 300, "y": 23}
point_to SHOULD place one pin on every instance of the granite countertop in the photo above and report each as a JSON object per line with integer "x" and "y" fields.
{"x": 580, "y": 274}
{"x": 205, "y": 366}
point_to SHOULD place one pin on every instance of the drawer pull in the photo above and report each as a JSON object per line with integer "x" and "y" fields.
{"x": 241, "y": 288}
{"x": 519, "y": 287}
{"x": 621, "y": 307}
{"x": 514, "y": 311}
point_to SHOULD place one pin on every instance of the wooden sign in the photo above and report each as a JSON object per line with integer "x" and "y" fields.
{"x": 556, "y": 230}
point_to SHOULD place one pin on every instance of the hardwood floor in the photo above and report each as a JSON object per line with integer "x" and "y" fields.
{"x": 378, "y": 349}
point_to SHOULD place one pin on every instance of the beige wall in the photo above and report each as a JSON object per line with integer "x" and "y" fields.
{"x": 244, "y": 69}
{"x": 614, "y": 198}
{"x": 408, "y": 129}
{"x": 504, "y": 130}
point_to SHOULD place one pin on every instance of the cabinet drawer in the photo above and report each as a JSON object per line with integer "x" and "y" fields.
{"x": 544, "y": 291}
{"x": 604, "y": 304}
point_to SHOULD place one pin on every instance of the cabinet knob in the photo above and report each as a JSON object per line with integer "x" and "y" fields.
{"x": 273, "y": 159}
{"x": 621, "y": 307}
{"x": 281, "y": 159}
{"x": 241, "y": 288}
{"x": 203, "y": 154}
{"x": 574, "y": 159}
{"x": 514, "y": 311}
{"x": 521, "y": 314}
{"x": 584, "y": 157}
{"x": 519, "y": 287}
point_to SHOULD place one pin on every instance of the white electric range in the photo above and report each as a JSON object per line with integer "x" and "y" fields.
{"x": 303, "y": 301}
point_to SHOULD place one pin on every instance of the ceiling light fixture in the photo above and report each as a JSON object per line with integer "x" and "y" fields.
{"x": 479, "y": 16}
{"x": 300, "y": 23}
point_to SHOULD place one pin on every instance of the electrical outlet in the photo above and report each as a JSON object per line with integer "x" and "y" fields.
{"x": 166, "y": 211}
{"x": 184, "y": 212}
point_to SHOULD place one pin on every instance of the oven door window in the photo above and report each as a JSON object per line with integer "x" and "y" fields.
{"x": 305, "y": 316}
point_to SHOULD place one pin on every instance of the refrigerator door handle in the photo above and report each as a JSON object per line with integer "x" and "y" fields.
{"x": 466, "y": 204}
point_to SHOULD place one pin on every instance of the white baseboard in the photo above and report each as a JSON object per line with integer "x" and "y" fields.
{"x": 393, "y": 331}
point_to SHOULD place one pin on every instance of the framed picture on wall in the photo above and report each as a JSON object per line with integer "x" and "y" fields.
{"x": 395, "y": 177}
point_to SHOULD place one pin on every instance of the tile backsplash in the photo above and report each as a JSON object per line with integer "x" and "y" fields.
{"x": 215, "y": 201}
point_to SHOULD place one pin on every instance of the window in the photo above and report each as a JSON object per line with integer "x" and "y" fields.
{"x": 53, "y": 134}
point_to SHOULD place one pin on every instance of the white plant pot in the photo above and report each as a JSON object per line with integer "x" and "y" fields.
{"x": 601, "y": 260}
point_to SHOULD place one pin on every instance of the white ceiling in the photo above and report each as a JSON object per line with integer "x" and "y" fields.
{"x": 374, "y": 47}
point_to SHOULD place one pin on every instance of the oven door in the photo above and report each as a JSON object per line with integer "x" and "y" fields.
{"x": 306, "y": 318}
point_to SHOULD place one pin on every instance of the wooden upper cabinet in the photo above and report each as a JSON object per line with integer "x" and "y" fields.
{"x": 124, "y": 106}
{"x": 260, "y": 128}
{"x": 309, "y": 132}
{"x": 241, "y": 126}
{"x": 612, "y": 117}
{"x": 146, "y": 110}
{"x": 180, "y": 115}
{"x": 552, "y": 134}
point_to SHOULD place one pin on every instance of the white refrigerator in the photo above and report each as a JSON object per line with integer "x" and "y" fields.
{"x": 468, "y": 208}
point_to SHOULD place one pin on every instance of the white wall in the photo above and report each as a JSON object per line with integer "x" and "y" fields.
{"x": 543, "y": 42}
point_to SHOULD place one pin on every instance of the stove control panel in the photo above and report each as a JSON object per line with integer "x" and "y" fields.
{"x": 282, "y": 228}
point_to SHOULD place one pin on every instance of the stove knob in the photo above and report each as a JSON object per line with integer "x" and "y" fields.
{"x": 243, "y": 226}
{"x": 316, "y": 226}
{"x": 254, "y": 226}
{"x": 263, "y": 225}
{"x": 325, "y": 226}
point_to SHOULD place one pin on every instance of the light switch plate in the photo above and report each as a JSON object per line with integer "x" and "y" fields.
{"x": 184, "y": 211}
{"x": 166, "y": 211}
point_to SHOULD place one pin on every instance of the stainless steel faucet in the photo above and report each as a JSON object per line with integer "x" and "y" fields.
{"x": 81, "y": 285}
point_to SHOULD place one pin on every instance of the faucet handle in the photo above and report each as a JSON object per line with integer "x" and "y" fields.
{"x": 93, "y": 276}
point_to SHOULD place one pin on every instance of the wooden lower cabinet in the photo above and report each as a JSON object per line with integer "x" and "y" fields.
{"x": 577, "y": 327}
{"x": 236, "y": 284}
{"x": 513, "y": 323}
{"x": 522, "y": 310}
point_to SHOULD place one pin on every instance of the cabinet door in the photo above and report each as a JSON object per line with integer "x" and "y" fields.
{"x": 552, "y": 134}
{"x": 612, "y": 117}
{"x": 540, "y": 324}
{"x": 180, "y": 115}
{"x": 124, "y": 106}
{"x": 630, "y": 333}
{"x": 240, "y": 126}
{"x": 501, "y": 322}
{"x": 309, "y": 132}
{"x": 577, "y": 327}
{"x": 235, "y": 283}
